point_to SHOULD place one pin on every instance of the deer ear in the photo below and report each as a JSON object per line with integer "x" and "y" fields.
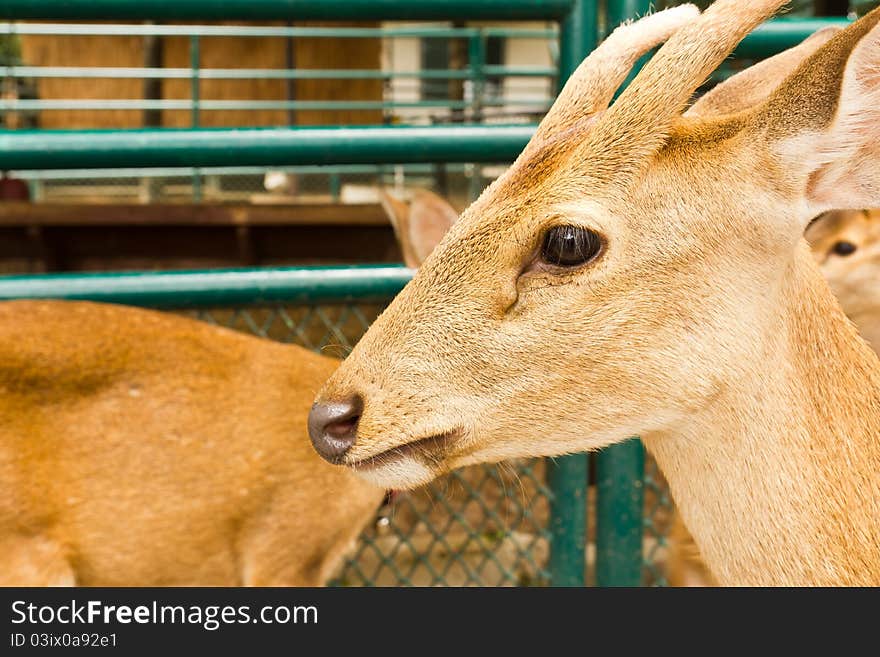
{"x": 398, "y": 214}
{"x": 420, "y": 225}
{"x": 430, "y": 218}
{"x": 826, "y": 121}
{"x": 754, "y": 85}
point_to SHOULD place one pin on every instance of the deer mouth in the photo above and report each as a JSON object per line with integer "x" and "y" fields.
{"x": 432, "y": 449}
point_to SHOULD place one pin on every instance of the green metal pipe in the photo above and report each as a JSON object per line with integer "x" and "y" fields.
{"x": 62, "y": 149}
{"x": 29, "y": 105}
{"x": 225, "y": 287}
{"x": 567, "y": 481}
{"x": 578, "y": 36}
{"x": 476, "y": 64}
{"x": 567, "y": 476}
{"x": 333, "y": 10}
{"x": 783, "y": 33}
{"x": 195, "y": 59}
{"x": 620, "y": 508}
{"x": 622, "y": 10}
{"x": 152, "y": 29}
{"x": 186, "y": 172}
{"x": 618, "y": 12}
{"x": 520, "y": 71}
{"x": 121, "y": 72}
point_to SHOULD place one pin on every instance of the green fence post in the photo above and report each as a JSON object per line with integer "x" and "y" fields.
{"x": 620, "y": 503}
{"x": 620, "y": 469}
{"x": 477, "y": 65}
{"x": 622, "y": 10}
{"x": 195, "y": 58}
{"x": 567, "y": 476}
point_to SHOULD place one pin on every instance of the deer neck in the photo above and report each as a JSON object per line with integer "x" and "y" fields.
{"x": 778, "y": 476}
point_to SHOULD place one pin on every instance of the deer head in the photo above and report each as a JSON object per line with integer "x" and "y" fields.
{"x": 846, "y": 244}
{"x": 629, "y": 265}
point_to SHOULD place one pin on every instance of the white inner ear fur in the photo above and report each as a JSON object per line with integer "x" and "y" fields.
{"x": 844, "y": 161}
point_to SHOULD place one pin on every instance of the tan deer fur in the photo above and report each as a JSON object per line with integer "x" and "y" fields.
{"x": 140, "y": 448}
{"x": 855, "y": 280}
{"x": 704, "y": 325}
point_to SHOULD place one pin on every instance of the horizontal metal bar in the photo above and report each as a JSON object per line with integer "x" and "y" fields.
{"x": 118, "y": 72}
{"x": 777, "y": 35}
{"x": 61, "y": 104}
{"x": 774, "y": 36}
{"x": 521, "y": 71}
{"x": 78, "y": 149}
{"x": 187, "y": 172}
{"x": 229, "y": 287}
{"x": 122, "y": 72}
{"x": 332, "y": 10}
{"x": 410, "y": 32}
{"x": 28, "y": 105}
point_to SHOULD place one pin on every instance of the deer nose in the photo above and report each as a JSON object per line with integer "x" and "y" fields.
{"x": 333, "y": 427}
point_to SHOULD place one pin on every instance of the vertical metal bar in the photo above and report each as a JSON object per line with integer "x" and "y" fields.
{"x": 290, "y": 64}
{"x": 335, "y": 182}
{"x": 567, "y": 480}
{"x": 567, "y": 476}
{"x": 458, "y": 61}
{"x": 195, "y": 95}
{"x": 578, "y": 36}
{"x": 150, "y": 186}
{"x": 195, "y": 65}
{"x": 620, "y": 503}
{"x": 622, "y": 10}
{"x": 620, "y": 469}
{"x": 477, "y": 62}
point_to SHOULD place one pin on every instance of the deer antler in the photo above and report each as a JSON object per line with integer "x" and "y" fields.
{"x": 638, "y": 123}
{"x": 592, "y": 86}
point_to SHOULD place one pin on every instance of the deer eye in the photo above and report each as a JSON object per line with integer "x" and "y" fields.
{"x": 570, "y": 246}
{"x": 844, "y": 248}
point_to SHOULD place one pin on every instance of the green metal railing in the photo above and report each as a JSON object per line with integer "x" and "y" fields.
{"x": 477, "y": 69}
{"x": 76, "y": 149}
{"x": 216, "y": 287}
{"x": 482, "y": 101}
{"x": 631, "y": 506}
{"x": 773, "y": 37}
{"x": 330, "y": 10}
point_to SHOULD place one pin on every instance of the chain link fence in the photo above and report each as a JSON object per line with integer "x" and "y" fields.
{"x": 485, "y": 525}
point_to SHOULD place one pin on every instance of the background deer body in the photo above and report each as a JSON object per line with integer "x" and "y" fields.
{"x": 637, "y": 272}
{"x": 142, "y": 448}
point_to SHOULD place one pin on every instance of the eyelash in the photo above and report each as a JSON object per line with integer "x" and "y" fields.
{"x": 568, "y": 246}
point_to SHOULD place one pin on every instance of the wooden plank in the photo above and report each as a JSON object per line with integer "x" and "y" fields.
{"x": 15, "y": 214}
